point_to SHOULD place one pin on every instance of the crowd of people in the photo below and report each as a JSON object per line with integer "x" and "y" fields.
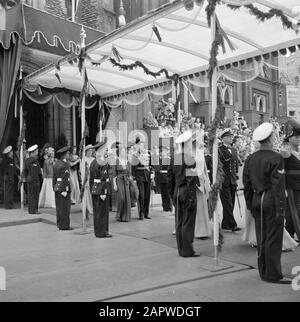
{"x": 182, "y": 174}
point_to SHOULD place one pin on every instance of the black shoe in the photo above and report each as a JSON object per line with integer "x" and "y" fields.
{"x": 141, "y": 218}
{"x": 65, "y": 229}
{"x": 284, "y": 280}
{"x": 147, "y": 217}
{"x": 236, "y": 229}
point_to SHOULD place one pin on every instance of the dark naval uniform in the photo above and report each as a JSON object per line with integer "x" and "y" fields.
{"x": 100, "y": 185}
{"x": 61, "y": 183}
{"x": 264, "y": 189}
{"x": 9, "y": 174}
{"x": 182, "y": 182}
{"x": 142, "y": 175}
{"x": 33, "y": 175}
{"x": 229, "y": 158}
{"x": 164, "y": 163}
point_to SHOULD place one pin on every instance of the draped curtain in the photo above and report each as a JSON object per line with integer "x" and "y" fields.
{"x": 9, "y": 66}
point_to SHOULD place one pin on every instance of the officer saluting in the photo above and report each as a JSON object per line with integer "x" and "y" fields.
{"x": 62, "y": 189}
{"x": 264, "y": 189}
{"x": 100, "y": 184}
{"x": 33, "y": 176}
{"x": 9, "y": 174}
{"x": 182, "y": 183}
{"x": 229, "y": 158}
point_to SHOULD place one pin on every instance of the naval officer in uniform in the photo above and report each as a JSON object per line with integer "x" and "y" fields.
{"x": 229, "y": 158}
{"x": 182, "y": 184}
{"x": 100, "y": 182}
{"x": 264, "y": 189}
{"x": 62, "y": 189}
{"x": 33, "y": 177}
{"x": 9, "y": 174}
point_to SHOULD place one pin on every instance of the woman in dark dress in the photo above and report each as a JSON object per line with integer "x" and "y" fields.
{"x": 122, "y": 177}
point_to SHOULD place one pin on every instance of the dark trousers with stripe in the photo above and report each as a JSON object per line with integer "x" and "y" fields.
{"x": 165, "y": 197}
{"x": 63, "y": 207}
{"x": 144, "y": 197}
{"x": 227, "y": 195}
{"x": 101, "y": 215}
{"x": 33, "y": 197}
{"x": 185, "y": 223}
{"x": 269, "y": 234}
{"x": 9, "y": 189}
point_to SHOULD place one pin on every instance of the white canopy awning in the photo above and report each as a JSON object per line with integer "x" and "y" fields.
{"x": 185, "y": 46}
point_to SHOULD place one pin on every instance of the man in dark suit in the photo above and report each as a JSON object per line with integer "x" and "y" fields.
{"x": 229, "y": 158}
{"x": 62, "y": 189}
{"x": 182, "y": 182}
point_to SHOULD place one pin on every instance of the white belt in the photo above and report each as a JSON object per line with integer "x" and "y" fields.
{"x": 97, "y": 180}
{"x": 59, "y": 179}
{"x": 164, "y": 171}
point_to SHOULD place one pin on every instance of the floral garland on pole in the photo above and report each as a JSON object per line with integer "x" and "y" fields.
{"x": 220, "y": 176}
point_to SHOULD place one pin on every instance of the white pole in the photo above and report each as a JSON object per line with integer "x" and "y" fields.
{"x": 101, "y": 107}
{"x": 74, "y": 123}
{"x": 215, "y": 144}
{"x": 21, "y": 148}
{"x": 82, "y": 37}
{"x": 73, "y": 10}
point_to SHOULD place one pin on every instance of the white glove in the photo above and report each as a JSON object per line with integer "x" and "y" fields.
{"x": 64, "y": 194}
{"x": 103, "y": 197}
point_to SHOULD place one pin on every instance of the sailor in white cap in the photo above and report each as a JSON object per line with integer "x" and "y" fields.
{"x": 33, "y": 177}
{"x": 229, "y": 158}
{"x": 85, "y": 189}
{"x": 9, "y": 174}
{"x": 182, "y": 181}
{"x": 264, "y": 189}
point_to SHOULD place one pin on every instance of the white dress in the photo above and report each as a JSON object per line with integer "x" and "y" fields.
{"x": 202, "y": 223}
{"x": 47, "y": 195}
{"x": 87, "y": 196}
{"x": 249, "y": 235}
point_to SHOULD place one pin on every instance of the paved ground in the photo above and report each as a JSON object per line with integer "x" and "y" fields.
{"x": 140, "y": 263}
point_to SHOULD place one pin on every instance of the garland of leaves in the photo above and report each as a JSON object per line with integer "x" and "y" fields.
{"x": 136, "y": 64}
{"x": 262, "y": 16}
{"x": 220, "y": 176}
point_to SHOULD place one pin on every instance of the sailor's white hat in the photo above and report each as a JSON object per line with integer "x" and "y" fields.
{"x": 33, "y": 148}
{"x": 184, "y": 137}
{"x": 262, "y": 132}
{"x": 7, "y": 149}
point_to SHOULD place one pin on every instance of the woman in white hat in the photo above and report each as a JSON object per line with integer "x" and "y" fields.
{"x": 85, "y": 189}
{"x": 47, "y": 196}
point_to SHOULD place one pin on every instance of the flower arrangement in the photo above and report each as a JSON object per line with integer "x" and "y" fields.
{"x": 149, "y": 121}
